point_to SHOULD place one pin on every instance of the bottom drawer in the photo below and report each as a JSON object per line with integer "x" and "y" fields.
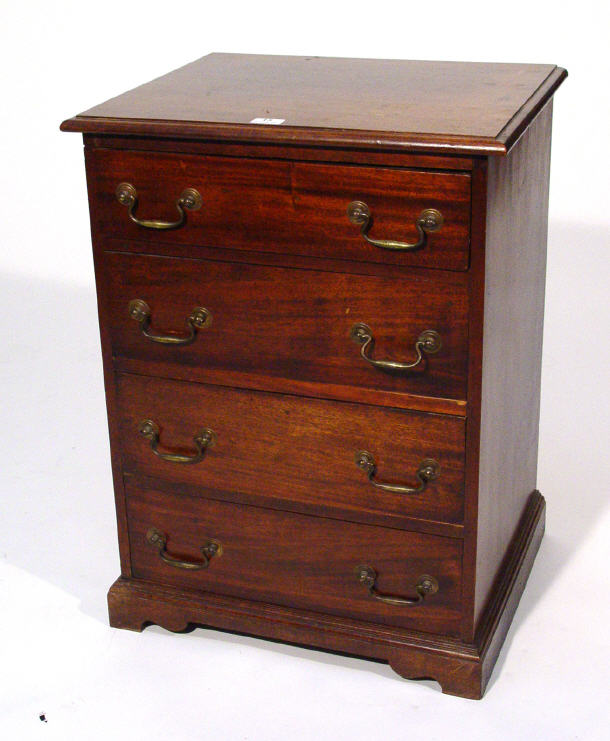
{"x": 296, "y": 560}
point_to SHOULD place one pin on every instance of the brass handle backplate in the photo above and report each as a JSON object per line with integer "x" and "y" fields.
{"x": 428, "y": 342}
{"x": 427, "y": 470}
{"x": 189, "y": 200}
{"x": 430, "y": 220}
{"x": 209, "y": 549}
{"x": 426, "y": 585}
{"x": 203, "y": 440}
{"x": 140, "y": 312}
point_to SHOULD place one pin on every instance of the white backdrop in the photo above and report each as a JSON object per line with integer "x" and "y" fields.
{"x": 57, "y": 533}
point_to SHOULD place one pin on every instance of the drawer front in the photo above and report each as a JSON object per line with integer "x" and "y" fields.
{"x": 297, "y": 208}
{"x": 294, "y": 453}
{"x": 294, "y": 560}
{"x": 296, "y": 325}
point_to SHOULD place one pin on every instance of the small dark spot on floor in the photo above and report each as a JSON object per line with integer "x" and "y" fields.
{"x": 43, "y": 718}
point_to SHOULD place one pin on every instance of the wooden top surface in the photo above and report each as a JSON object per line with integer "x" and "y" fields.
{"x": 463, "y": 107}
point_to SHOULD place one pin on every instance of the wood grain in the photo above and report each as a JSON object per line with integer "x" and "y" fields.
{"x": 289, "y": 324}
{"x": 113, "y": 421}
{"x": 465, "y": 107}
{"x": 515, "y": 262}
{"x": 461, "y": 668}
{"x": 286, "y": 151}
{"x": 476, "y": 317}
{"x": 293, "y": 452}
{"x": 286, "y": 207}
{"x": 274, "y": 257}
{"x": 294, "y": 560}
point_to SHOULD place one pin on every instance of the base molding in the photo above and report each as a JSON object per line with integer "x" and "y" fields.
{"x": 461, "y": 669}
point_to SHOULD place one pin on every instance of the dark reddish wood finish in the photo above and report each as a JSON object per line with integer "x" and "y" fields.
{"x": 476, "y": 293}
{"x": 515, "y": 266}
{"x": 294, "y": 325}
{"x": 460, "y": 107}
{"x": 287, "y": 207}
{"x": 113, "y": 423}
{"x": 295, "y": 560}
{"x": 293, "y": 452}
{"x": 461, "y": 668}
{"x": 288, "y": 455}
{"x": 262, "y": 150}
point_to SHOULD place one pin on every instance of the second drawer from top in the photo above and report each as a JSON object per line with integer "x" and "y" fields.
{"x": 304, "y": 331}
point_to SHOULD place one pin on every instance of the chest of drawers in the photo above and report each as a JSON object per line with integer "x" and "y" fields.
{"x": 321, "y": 290}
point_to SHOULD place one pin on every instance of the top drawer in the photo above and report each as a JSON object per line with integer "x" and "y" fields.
{"x": 297, "y": 208}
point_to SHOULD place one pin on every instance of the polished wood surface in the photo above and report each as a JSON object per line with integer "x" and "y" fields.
{"x": 515, "y": 264}
{"x": 461, "y": 668}
{"x": 289, "y": 324}
{"x": 268, "y": 150}
{"x": 295, "y": 453}
{"x": 287, "y": 207}
{"x": 285, "y": 275}
{"x": 294, "y": 560}
{"x": 469, "y": 107}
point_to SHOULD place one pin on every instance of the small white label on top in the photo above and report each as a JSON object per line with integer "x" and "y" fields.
{"x": 272, "y": 121}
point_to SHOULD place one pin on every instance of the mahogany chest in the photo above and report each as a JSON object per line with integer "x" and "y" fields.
{"x": 321, "y": 290}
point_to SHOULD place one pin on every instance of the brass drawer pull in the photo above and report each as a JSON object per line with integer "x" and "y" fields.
{"x": 189, "y": 200}
{"x": 430, "y": 220}
{"x": 140, "y": 312}
{"x": 203, "y": 440}
{"x": 208, "y": 550}
{"x": 428, "y": 342}
{"x": 428, "y": 470}
{"x": 426, "y": 585}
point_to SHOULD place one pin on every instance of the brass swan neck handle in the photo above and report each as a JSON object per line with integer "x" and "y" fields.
{"x": 209, "y": 549}
{"x": 189, "y": 200}
{"x": 199, "y": 318}
{"x": 426, "y": 586}
{"x": 203, "y": 440}
{"x": 428, "y": 342}
{"x": 430, "y": 220}
{"x": 428, "y": 470}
